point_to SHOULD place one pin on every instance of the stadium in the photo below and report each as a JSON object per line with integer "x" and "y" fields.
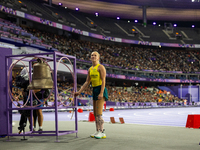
{"x": 150, "y": 52}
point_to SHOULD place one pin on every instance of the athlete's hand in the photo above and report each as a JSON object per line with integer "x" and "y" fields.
{"x": 100, "y": 96}
{"x": 76, "y": 94}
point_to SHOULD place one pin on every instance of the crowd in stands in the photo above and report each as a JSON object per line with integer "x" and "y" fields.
{"x": 124, "y": 56}
{"x": 17, "y": 93}
{"x": 127, "y": 57}
{"x": 67, "y": 88}
{"x": 18, "y": 34}
{"x": 127, "y": 94}
{"x": 121, "y": 56}
{"x": 140, "y": 94}
{"x": 116, "y": 94}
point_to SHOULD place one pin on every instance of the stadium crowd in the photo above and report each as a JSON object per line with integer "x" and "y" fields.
{"x": 129, "y": 94}
{"x": 123, "y": 56}
{"x": 126, "y": 57}
{"x": 116, "y": 94}
{"x": 140, "y": 94}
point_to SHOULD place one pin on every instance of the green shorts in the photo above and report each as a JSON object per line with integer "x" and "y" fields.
{"x": 97, "y": 90}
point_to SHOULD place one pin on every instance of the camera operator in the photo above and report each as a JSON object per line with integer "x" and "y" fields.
{"x": 22, "y": 81}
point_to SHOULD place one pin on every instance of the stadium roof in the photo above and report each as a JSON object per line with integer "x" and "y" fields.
{"x": 173, "y": 10}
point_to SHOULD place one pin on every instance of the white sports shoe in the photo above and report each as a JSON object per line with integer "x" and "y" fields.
{"x": 92, "y": 135}
{"x": 100, "y": 135}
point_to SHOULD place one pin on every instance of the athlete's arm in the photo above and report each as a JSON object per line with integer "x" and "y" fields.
{"x": 85, "y": 85}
